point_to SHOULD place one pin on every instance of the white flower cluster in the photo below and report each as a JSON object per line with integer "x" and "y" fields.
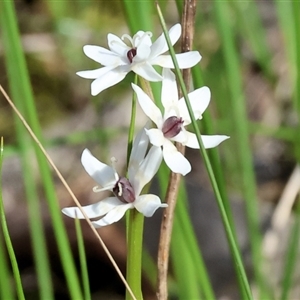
{"x": 139, "y": 57}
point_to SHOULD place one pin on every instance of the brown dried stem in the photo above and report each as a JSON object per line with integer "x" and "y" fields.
{"x": 188, "y": 20}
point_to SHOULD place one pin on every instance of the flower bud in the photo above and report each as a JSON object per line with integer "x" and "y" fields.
{"x": 124, "y": 191}
{"x": 131, "y": 54}
{"x": 172, "y": 126}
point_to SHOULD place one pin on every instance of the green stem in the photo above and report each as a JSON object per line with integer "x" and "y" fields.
{"x": 135, "y": 228}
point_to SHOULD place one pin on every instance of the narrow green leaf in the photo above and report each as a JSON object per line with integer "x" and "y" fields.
{"x": 7, "y": 239}
{"x": 82, "y": 260}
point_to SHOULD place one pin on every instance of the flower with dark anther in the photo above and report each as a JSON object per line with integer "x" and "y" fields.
{"x": 170, "y": 124}
{"x": 137, "y": 55}
{"x": 141, "y": 169}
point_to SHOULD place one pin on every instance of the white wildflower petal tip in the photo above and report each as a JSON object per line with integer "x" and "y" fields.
{"x": 148, "y": 204}
{"x": 113, "y": 215}
{"x": 175, "y": 160}
{"x": 209, "y": 141}
{"x": 147, "y": 105}
{"x": 156, "y": 136}
{"x": 94, "y": 210}
{"x": 111, "y": 78}
{"x": 103, "y": 174}
{"x": 147, "y": 169}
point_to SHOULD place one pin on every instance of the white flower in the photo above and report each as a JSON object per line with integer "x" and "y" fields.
{"x": 138, "y": 57}
{"x": 170, "y": 125}
{"x": 127, "y": 191}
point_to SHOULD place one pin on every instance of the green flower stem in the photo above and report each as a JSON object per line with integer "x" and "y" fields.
{"x": 7, "y": 239}
{"x": 229, "y": 233}
{"x": 135, "y": 227}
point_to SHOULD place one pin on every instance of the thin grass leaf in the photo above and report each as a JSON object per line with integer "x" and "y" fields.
{"x": 82, "y": 261}
{"x": 7, "y": 239}
{"x": 37, "y": 233}
{"x": 191, "y": 273}
{"x": 241, "y": 136}
{"x": 6, "y": 291}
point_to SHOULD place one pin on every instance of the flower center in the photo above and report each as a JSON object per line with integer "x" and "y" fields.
{"x": 131, "y": 54}
{"x": 172, "y": 126}
{"x": 124, "y": 191}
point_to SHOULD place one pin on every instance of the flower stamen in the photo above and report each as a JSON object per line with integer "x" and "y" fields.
{"x": 124, "y": 191}
{"x": 172, "y": 126}
{"x": 131, "y": 54}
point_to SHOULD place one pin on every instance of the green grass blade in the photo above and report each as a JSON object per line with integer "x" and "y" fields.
{"x": 7, "y": 239}
{"x": 208, "y": 128}
{"x": 82, "y": 261}
{"x": 138, "y": 15}
{"x": 6, "y": 291}
{"x": 194, "y": 280}
{"x": 241, "y": 136}
{"x": 21, "y": 91}
{"x": 35, "y": 220}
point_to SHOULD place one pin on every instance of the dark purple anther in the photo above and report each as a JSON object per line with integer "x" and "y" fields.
{"x": 124, "y": 191}
{"x": 131, "y": 54}
{"x": 172, "y": 127}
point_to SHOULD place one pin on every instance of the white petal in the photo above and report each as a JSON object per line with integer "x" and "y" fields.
{"x": 93, "y": 74}
{"x": 145, "y": 172}
{"x": 175, "y": 160}
{"x": 156, "y": 136}
{"x": 109, "y": 79}
{"x": 139, "y": 148}
{"x": 147, "y": 105}
{"x": 116, "y": 45}
{"x": 142, "y": 53}
{"x": 185, "y": 60}
{"x": 113, "y": 215}
{"x": 169, "y": 92}
{"x": 199, "y": 100}
{"x": 160, "y": 45}
{"x": 182, "y": 137}
{"x": 148, "y": 204}
{"x": 146, "y": 71}
{"x": 100, "y": 172}
{"x": 102, "y": 55}
{"x": 94, "y": 210}
{"x": 209, "y": 141}
{"x": 142, "y": 37}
